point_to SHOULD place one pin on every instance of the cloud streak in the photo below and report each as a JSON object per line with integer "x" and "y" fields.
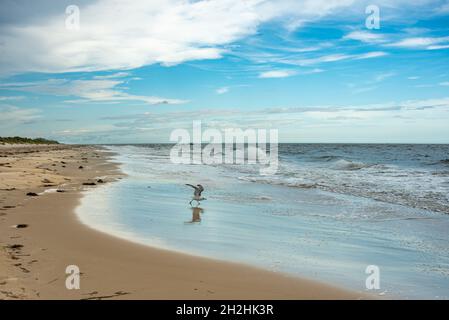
{"x": 277, "y": 74}
{"x": 365, "y": 36}
{"x": 104, "y": 90}
{"x": 13, "y": 116}
{"x": 222, "y": 90}
{"x": 429, "y": 43}
{"x": 337, "y": 57}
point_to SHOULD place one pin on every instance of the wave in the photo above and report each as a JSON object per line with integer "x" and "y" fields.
{"x": 350, "y": 165}
{"x": 282, "y": 181}
{"x": 391, "y": 176}
{"x": 327, "y": 158}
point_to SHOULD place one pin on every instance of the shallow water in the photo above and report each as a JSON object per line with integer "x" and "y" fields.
{"x": 329, "y": 212}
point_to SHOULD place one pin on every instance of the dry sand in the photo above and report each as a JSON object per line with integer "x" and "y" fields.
{"x": 33, "y": 259}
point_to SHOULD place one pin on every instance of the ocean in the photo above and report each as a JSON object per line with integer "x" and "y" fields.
{"x": 329, "y": 212}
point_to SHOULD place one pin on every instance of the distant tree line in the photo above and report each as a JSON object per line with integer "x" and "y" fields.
{"x": 22, "y": 140}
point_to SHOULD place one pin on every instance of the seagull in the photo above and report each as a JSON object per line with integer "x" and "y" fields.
{"x": 197, "y": 193}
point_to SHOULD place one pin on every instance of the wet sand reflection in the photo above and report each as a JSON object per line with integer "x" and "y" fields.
{"x": 196, "y": 214}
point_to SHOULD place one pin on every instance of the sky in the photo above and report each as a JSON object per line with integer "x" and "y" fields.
{"x": 316, "y": 70}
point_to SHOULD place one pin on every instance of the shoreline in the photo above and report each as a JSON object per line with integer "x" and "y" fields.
{"x": 112, "y": 267}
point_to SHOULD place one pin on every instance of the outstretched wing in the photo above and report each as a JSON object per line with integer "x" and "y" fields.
{"x": 198, "y": 189}
{"x": 197, "y": 192}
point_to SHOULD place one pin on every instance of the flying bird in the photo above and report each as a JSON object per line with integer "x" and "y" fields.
{"x": 197, "y": 193}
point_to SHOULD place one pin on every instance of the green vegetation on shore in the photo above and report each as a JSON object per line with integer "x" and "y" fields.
{"x": 21, "y": 140}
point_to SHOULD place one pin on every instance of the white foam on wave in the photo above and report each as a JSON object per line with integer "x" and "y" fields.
{"x": 350, "y": 165}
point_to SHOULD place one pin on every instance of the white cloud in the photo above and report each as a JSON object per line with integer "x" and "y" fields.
{"x": 430, "y": 43}
{"x": 312, "y": 71}
{"x": 113, "y": 76}
{"x": 408, "y": 105}
{"x": 11, "y": 115}
{"x": 413, "y": 78}
{"x": 416, "y": 31}
{"x": 323, "y": 59}
{"x": 94, "y": 90}
{"x": 438, "y": 47}
{"x": 280, "y": 117}
{"x": 277, "y": 74}
{"x": 119, "y": 35}
{"x": 369, "y": 55}
{"x": 11, "y": 98}
{"x": 124, "y": 35}
{"x": 154, "y": 126}
{"x": 424, "y": 85}
{"x": 222, "y": 90}
{"x": 446, "y": 83}
{"x": 382, "y": 76}
{"x": 365, "y": 36}
{"x": 369, "y": 85}
{"x": 339, "y": 57}
{"x": 443, "y": 9}
{"x": 363, "y": 89}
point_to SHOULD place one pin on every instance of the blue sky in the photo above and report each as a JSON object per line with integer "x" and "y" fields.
{"x": 132, "y": 73}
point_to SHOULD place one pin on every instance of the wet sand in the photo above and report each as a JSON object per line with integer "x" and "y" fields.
{"x": 41, "y": 235}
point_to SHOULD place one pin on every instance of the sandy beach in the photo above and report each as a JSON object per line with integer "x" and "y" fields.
{"x": 41, "y": 235}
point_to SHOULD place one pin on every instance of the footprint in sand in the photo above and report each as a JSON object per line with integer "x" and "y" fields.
{"x": 115, "y": 294}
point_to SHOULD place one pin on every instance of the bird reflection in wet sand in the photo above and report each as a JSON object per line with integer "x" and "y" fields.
{"x": 196, "y": 214}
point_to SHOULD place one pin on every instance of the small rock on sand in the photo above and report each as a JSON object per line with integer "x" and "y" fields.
{"x": 20, "y": 226}
{"x": 14, "y": 246}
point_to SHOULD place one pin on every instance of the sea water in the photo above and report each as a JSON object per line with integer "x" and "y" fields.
{"x": 328, "y": 213}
